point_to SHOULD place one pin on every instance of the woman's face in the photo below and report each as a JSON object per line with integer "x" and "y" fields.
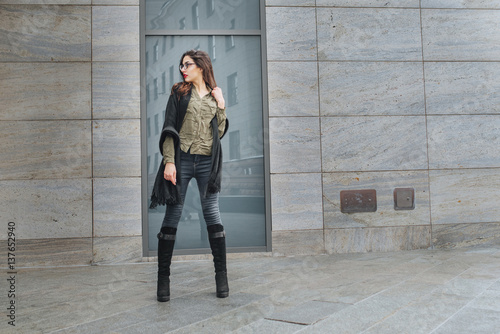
{"x": 190, "y": 71}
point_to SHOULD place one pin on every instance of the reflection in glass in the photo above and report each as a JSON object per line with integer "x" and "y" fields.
{"x": 205, "y": 14}
{"x": 238, "y": 73}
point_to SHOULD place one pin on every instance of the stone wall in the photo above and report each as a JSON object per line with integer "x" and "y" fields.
{"x": 363, "y": 94}
{"x": 381, "y": 95}
{"x": 70, "y": 130}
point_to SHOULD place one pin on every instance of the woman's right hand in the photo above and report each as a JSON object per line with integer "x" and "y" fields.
{"x": 170, "y": 172}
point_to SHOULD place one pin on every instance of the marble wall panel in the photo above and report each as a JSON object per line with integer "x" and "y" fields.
{"x": 465, "y": 235}
{"x": 464, "y": 141}
{"x": 47, "y": 208}
{"x": 112, "y": 39}
{"x": 288, "y": 243}
{"x": 45, "y": 2}
{"x": 462, "y": 87}
{"x": 293, "y": 89}
{"x": 35, "y": 91}
{"x": 461, "y": 34}
{"x": 45, "y": 33}
{"x": 369, "y": 3}
{"x": 464, "y": 196}
{"x": 284, "y": 40}
{"x": 117, "y": 148}
{"x": 387, "y": 239}
{"x": 460, "y": 4}
{"x": 116, "y": 2}
{"x": 117, "y": 207}
{"x": 45, "y": 149}
{"x": 369, "y": 34}
{"x": 294, "y": 144}
{"x": 111, "y": 250}
{"x": 290, "y": 2}
{"x": 384, "y": 183}
{"x": 371, "y": 88}
{"x": 51, "y": 252}
{"x": 296, "y": 201}
{"x": 116, "y": 90}
{"x": 373, "y": 143}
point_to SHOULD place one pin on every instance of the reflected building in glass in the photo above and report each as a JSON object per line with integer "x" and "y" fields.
{"x": 238, "y": 71}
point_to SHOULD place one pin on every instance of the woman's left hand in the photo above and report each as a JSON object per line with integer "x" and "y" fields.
{"x": 217, "y": 94}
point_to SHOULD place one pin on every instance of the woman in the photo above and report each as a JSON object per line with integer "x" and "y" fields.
{"x": 195, "y": 120}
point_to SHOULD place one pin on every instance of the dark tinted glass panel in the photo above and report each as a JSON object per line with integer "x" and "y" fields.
{"x": 202, "y": 14}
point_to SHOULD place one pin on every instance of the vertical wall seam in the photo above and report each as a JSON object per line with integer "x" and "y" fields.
{"x": 92, "y": 124}
{"x": 426, "y": 124}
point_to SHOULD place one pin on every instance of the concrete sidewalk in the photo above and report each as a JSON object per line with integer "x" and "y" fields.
{"x": 425, "y": 291}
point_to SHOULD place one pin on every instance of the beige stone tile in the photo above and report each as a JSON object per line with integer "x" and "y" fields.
{"x": 109, "y": 250}
{"x": 369, "y": 34}
{"x": 460, "y": 4}
{"x": 464, "y": 196}
{"x": 450, "y": 34}
{"x": 117, "y": 207}
{"x": 45, "y": 33}
{"x": 60, "y": 208}
{"x": 53, "y": 91}
{"x": 51, "y": 252}
{"x": 293, "y": 95}
{"x": 373, "y": 143}
{"x": 381, "y": 239}
{"x": 115, "y": 90}
{"x": 117, "y": 148}
{"x": 465, "y": 235}
{"x": 463, "y": 141}
{"x": 384, "y": 183}
{"x": 371, "y": 88}
{"x": 284, "y": 40}
{"x": 115, "y": 40}
{"x": 298, "y": 242}
{"x": 45, "y": 149}
{"x": 296, "y": 201}
{"x": 369, "y": 3}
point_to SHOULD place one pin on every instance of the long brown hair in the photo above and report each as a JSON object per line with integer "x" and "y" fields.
{"x": 202, "y": 60}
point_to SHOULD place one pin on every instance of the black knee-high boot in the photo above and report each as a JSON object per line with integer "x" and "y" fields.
{"x": 217, "y": 238}
{"x": 166, "y": 241}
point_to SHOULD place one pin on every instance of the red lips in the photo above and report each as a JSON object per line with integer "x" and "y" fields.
{"x": 184, "y": 75}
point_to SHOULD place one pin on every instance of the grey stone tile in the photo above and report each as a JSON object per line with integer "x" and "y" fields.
{"x": 488, "y": 300}
{"x": 371, "y": 88}
{"x": 116, "y": 90}
{"x": 51, "y": 252}
{"x": 45, "y": 2}
{"x": 117, "y": 207}
{"x": 373, "y": 143}
{"x": 291, "y": 135}
{"x": 269, "y": 326}
{"x": 464, "y": 196}
{"x": 45, "y": 149}
{"x": 369, "y": 34}
{"x": 284, "y": 40}
{"x": 470, "y": 320}
{"x": 465, "y": 235}
{"x": 462, "y": 88}
{"x": 115, "y": 40}
{"x": 45, "y": 33}
{"x": 298, "y": 242}
{"x": 460, "y": 4}
{"x": 116, "y": 2}
{"x": 112, "y": 250}
{"x": 384, "y": 183}
{"x": 450, "y": 34}
{"x": 290, "y": 2}
{"x": 369, "y": 3}
{"x": 307, "y": 313}
{"x": 117, "y": 148}
{"x": 54, "y": 208}
{"x": 293, "y": 89}
{"x": 296, "y": 201}
{"x": 377, "y": 239}
{"x": 54, "y": 91}
{"x": 464, "y": 141}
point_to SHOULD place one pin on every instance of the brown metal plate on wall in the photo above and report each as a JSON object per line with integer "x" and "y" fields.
{"x": 364, "y": 200}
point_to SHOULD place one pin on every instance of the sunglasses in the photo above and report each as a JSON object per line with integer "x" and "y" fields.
{"x": 185, "y": 65}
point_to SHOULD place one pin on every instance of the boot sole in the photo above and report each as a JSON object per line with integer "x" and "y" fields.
{"x": 163, "y": 299}
{"x": 222, "y": 294}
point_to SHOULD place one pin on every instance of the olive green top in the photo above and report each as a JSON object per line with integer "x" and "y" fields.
{"x": 196, "y": 132}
